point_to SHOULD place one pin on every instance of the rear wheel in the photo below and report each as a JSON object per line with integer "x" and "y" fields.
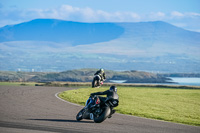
{"x": 102, "y": 116}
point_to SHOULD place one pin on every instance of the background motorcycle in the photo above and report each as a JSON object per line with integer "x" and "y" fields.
{"x": 97, "y": 110}
{"x": 97, "y": 81}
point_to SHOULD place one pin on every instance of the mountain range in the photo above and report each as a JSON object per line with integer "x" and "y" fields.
{"x": 58, "y": 45}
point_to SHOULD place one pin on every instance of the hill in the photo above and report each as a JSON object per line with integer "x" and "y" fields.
{"x": 52, "y": 30}
{"x": 57, "y": 45}
{"x": 83, "y": 75}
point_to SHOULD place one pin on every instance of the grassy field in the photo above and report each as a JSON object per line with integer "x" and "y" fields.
{"x": 175, "y": 105}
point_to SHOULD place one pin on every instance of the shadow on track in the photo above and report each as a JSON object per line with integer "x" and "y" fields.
{"x": 33, "y": 127}
{"x": 61, "y": 120}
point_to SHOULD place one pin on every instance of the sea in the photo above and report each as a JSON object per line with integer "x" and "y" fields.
{"x": 186, "y": 81}
{"x": 176, "y": 81}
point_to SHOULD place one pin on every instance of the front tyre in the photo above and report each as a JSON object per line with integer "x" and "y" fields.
{"x": 93, "y": 83}
{"x": 103, "y": 115}
{"x": 79, "y": 116}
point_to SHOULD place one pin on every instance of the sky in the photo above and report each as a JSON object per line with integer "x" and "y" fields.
{"x": 181, "y": 13}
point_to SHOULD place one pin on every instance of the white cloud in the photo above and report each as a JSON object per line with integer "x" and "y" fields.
{"x": 67, "y": 12}
{"x": 160, "y": 14}
{"x": 88, "y": 12}
{"x": 69, "y": 9}
{"x": 193, "y": 14}
{"x": 184, "y": 15}
{"x": 155, "y": 16}
{"x": 177, "y": 14}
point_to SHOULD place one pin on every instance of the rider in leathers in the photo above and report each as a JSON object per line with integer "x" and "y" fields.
{"x": 101, "y": 73}
{"x": 111, "y": 93}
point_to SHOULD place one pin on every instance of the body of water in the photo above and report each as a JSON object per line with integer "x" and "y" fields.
{"x": 176, "y": 80}
{"x": 186, "y": 81}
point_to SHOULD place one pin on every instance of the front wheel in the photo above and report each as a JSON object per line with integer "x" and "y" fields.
{"x": 79, "y": 116}
{"x": 94, "y": 83}
{"x": 103, "y": 115}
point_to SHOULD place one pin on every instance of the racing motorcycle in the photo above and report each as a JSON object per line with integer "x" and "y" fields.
{"x": 97, "y": 81}
{"x": 97, "y": 110}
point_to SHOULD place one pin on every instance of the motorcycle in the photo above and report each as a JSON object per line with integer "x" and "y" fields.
{"x": 97, "y": 81}
{"x": 97, "y": 110}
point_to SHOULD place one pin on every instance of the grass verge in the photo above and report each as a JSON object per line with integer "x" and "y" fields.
{"x": 168, "y": 104}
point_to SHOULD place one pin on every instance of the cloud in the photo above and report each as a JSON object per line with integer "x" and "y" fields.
{"x": 186, "y": 20}
{"x": 155, "y": 16}
{"x": 68, "y": 12}
{"x": 176, "y": 14}
{"x": 87, "y": 14}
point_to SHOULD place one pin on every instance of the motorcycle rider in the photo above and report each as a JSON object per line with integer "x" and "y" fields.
{"x": 111, "y": 93}
{"x": 102, "y": 74}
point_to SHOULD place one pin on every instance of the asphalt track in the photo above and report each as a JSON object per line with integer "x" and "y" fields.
{"x": 37, "y": 110}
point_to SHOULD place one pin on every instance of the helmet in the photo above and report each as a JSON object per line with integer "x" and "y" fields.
{"x": 113, "y": 88}
{"x": 101, "y": 70}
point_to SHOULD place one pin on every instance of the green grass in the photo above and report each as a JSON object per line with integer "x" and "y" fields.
{"x": 175, "y": 105}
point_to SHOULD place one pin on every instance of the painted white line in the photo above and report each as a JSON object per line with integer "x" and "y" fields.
{"x": 56, "y": 95}
{"x": 82, "y": 106}
{"x": 124, "y": 114}
{"x": 65, "y": 100}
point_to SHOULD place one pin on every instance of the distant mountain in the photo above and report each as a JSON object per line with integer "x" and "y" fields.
{"x": 57, "y": 45}
{"x": 51, "y": 30}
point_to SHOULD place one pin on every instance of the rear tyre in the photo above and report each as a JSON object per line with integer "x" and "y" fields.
{"x": 103, "y": 115}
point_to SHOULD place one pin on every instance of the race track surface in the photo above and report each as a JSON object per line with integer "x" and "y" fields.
{"x": 26, "y": 109}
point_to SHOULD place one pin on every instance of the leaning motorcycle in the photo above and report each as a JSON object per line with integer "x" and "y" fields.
{"x": 97, "y": 110}
{"x": 97, "y": 81}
